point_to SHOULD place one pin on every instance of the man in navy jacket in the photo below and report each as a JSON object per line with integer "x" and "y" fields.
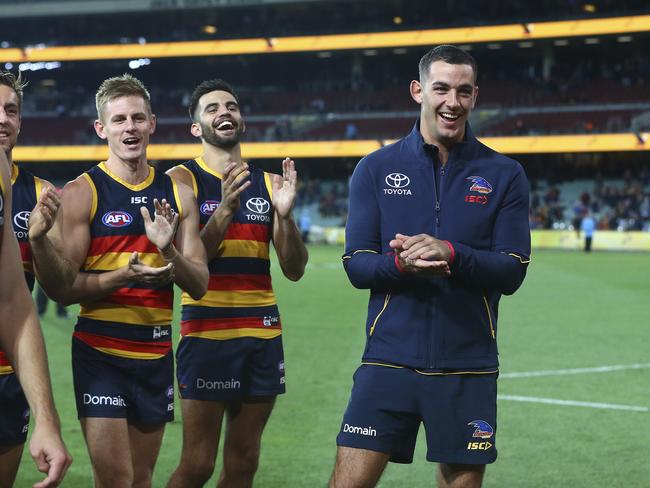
{"x": 438, "y": 231}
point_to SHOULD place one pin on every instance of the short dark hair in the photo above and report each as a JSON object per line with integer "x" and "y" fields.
{"x": 14, "y": 82}
{"x": 449, "y": 54}
{"x": 216, "y": 84}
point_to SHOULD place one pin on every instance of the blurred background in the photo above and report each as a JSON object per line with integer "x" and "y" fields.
{"x": 549, "y": 68}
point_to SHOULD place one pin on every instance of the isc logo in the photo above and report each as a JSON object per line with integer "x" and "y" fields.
{"x": 116, "y": 218}
{"x": 209, "y": 206}
{"x": 479, "y": 446}
{"x": 138, "y": 200}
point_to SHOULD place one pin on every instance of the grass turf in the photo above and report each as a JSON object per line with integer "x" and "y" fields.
{"x": 574, "y": 310}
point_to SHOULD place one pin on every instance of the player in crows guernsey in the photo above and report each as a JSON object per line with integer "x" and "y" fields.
{"x": 26, "y": 189}
{"x": 230, "y": 357}
{"x": 123, "y": 262}
{"x": 22, "y": 339}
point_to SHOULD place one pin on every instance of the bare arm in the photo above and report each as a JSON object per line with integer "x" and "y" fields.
{"x": 292, "y": 253}
{"x": 52, "y": 268}
{"x": 22, "y": 339}
{"x": 189, "y": 259}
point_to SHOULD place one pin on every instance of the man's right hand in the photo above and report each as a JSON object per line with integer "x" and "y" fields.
{"x": 50, "y": 455}
{"x": 235, "y": 180}
{"x": 44, "y": 213}
{"x": 416, "y": 262}
{"x": 141, "y": 273}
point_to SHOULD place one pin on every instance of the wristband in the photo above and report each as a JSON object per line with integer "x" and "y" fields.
{"x": 453, "y": 252}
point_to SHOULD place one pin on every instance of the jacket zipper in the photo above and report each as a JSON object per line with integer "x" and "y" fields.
{"x": 374, "y": 323}
{"x": 489, "y": 314}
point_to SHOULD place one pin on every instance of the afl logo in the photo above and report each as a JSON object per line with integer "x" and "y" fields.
{"x": 397, "y": 180}
{"x": 209, "y": 206}
{"x": 116, "y": 218}
{"x": 258, "y": 205}
{"x": 21, "y": 220}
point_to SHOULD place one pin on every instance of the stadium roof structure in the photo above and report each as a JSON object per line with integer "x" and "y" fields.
{"x": 376, "y": 40}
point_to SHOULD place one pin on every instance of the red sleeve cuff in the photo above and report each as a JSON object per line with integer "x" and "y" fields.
{"x": 397, "y": 265}
{"x": 453, "y": 252}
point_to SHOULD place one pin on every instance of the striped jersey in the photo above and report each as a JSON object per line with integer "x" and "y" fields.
{"x": 25, "y": 188}
{"x": 133, "y": 321}
{"x": 240, "y": 301}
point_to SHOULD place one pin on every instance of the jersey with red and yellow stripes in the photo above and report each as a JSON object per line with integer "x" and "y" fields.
{"x": 240, "y": 301}
{"x": 5, "y": 367}
{"x": 133, "y": 321}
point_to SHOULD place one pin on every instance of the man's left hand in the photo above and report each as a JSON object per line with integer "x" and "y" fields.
{"x": 284, "y": 188}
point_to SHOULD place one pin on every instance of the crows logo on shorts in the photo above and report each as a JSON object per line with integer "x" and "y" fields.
{"x": 483, "y": 429}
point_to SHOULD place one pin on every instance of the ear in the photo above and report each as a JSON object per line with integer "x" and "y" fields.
{"x": 416, "y": 91}
{"x": 195, "y": 130}
{"x": 99, "y": 129}
{"x": 153, "y": 124}
{"x": 474, "y": 97}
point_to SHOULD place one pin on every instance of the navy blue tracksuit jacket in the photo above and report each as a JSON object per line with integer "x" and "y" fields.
{"x": 478, "y": 201}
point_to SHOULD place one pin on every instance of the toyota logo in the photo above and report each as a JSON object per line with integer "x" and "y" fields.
{"x": 21, "y": 220}
{"x": 258, "y": 205}
{"x": 397, "y": 180}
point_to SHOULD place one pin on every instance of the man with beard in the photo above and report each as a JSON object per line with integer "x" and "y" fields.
{"x": 230, "y": 358}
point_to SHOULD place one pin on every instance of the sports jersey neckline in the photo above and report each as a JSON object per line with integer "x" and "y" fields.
{"x": 140, "y": 186}
{"x": 15, "y": 170}
{"x": 203, "y": 165}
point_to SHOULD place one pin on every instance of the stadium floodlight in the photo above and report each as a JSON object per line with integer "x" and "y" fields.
{"x": 137, "y": 63}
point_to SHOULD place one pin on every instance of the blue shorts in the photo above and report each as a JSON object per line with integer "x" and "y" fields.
{"x": 140, "y": 390}
{"x": 229, "y": 370}
{"x": 387, "y": 406}
{"x": 14, "y": 411}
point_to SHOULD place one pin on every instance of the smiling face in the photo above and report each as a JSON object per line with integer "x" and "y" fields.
{"x": 446, "y": 95}
{"x": 219, "y": 121}
{"x": 9, "y": 119}
{"x": 126, "y": 124}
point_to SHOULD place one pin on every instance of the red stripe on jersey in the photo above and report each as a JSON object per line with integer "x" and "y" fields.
{"x": 200, "y": 325}
{"x": 128, "y": 243}
{"x": 25, "y": 252}
{"x": 232, "y": 282}
{"x": 94, "y": 340}
{"x": 141, "y": 297}
{"x": 249, "y": 232}
{"x": 4, "y": 360}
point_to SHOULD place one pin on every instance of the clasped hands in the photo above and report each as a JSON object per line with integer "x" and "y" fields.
{"x": 422, "y": 254}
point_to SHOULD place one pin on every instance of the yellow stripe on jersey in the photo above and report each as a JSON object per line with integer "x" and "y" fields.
{"x": 236, "y": 333}
{"x": 195, "y": 187}
{"x": 268, "y": 183}
{"x": 114, "y": 260}
{"x": 15, "y": 170}
{"x": 243, "y": 298}
{"x": 178, "y": 198}
{"x": 128, "y": 354}
{"x": 140, "y": 186}
{"x": 240, "y": 248}
{"x": 93, "y": 189}
{"x": 38, "y": 187}
{"x": 207, "y": 168}
{"x": 6, "y": 370}
{"x": 127, "y": 314}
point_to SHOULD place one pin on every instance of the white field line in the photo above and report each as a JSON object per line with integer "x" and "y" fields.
{"x": 573, "y": 403}
{"x": 562, "y": 372}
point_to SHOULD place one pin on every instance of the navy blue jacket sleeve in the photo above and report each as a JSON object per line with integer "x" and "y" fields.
{"x": 503, "y": 267}
{"x": 364, "y": 262}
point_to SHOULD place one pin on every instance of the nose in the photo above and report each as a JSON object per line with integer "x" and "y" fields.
{"x": 130, "y": 124}
{"x": 3, "y": 116}
{"x": 452, "y": 98}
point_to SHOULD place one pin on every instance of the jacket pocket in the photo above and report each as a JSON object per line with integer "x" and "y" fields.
{"x": 378, "y": 316}
{"x": 489, "y": 316}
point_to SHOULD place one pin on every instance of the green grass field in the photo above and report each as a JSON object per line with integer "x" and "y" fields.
{"x": 574, "y": 310}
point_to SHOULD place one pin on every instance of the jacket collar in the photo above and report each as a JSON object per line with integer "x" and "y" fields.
{"x": 462, "y": 151}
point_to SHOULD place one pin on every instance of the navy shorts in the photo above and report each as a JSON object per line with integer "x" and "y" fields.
{"x": 387, "y": 406}
{"x": 140, "y": 390}
{"x": 14, "y": 411}
{"x": 229, "y": 370}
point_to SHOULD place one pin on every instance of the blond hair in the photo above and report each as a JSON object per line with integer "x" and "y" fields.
{"x": 15, "y": 83}
{"x": 120, "y": 86}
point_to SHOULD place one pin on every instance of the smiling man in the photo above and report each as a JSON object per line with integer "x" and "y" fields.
{"x": 437, "y": 231}
{"x": 123, "y": 264}
{"x": 230, "y": 357}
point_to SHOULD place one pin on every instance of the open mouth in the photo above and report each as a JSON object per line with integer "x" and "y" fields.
{"x": 449, "y": 117}
{"x": 225, "y": 126}
{"x": 131, "y": 141}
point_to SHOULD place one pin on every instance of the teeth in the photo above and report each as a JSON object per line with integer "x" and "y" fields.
{"x": 449, "y": 116}
{"x": 226, "y": 124}
{"x": 130, "y": 141}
